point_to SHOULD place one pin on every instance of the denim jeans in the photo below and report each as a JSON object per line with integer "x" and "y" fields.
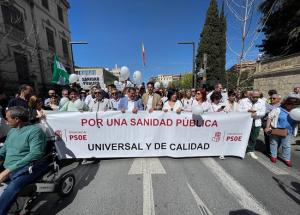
{"x": 18, "y": 180}
{"x": 285, "y": 142}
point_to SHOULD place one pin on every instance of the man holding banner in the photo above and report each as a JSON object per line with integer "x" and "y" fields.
{"x": 257, "y": 108}
{"x": 128, "y": 103}
{"x": 151, "y": 100}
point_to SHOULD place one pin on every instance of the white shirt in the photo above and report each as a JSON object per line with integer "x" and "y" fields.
{"x": 187, "y": 104}
{"x": 101, "y": 105}
{"x": 130, "y": 105}
{"x": 149, "y": 103}
{"x": 216, "y": 107}
{"x": 177, "y": 105}
{"x": 88, "y": 99}
{"x": 206, "y": 106}
{"x": 260, "y": 107}
{"x": 229, "y": 107}
{"x": 114, "y": 104}
{"x": 164, "y": 99}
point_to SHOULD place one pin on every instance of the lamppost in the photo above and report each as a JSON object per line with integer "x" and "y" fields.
{"x": 75, "y": 43}
{"x": 193, "y": 63}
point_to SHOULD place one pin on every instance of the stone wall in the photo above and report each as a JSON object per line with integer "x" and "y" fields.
{"x": 281, "y": 73}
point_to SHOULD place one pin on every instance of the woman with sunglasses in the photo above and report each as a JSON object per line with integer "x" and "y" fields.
{"x": 280, "y": 118}
{"x": 200, "y": 100}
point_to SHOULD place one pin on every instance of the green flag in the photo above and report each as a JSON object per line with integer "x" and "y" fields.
{"x": 60, "y": 75}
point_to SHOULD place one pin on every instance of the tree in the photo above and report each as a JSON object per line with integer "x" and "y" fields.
{"x": 282, "y": 27}
{"x": 186, "y": 81}
{"x": 243, "y": 11}
{"x": 211, "y": 43}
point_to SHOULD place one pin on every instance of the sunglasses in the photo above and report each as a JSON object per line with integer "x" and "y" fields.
{"x": 274, "y": 98}
{"x": 97, "y": 92}
{"x": 255, "y": 97}
{"x": 114, "y": 93}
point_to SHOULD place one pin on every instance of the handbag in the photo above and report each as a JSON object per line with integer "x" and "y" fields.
{"x": 281, "y": 132}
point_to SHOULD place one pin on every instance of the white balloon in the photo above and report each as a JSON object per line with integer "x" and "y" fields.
{"x": 124, "y": 74}
{"x": 295, "y": 114}
{"x": 197, "y": 110}
{"x": 78, "y": 104}
{"x": 157, "y": 85}
{"x": 73, "y": 78}
{"x": 137, "y": 75}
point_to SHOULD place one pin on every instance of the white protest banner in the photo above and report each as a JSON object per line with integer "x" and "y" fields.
{"x": 115, "y": 134}
{"x": 87, "y": 81}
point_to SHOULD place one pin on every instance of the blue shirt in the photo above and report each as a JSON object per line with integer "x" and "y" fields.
{"x": 285, "y": 121}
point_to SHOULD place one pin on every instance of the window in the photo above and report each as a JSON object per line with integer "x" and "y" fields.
{"x": 60, "y": 14}
{"x": 50, "y": 38}
{"x": 13, "y": 17}
{"x": 65, "y": 47}
{"x": 45, "y": 4}
{"x": 22, "y": 67}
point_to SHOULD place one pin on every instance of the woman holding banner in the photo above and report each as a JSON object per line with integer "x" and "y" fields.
{"x": 200, "y": 99}
{"x": 74, "y": 104}
{"x": 172, "y": 104}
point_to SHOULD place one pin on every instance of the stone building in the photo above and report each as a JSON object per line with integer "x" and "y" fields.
{"x": 31, "y": 31}
{"x": 280, "y": 73}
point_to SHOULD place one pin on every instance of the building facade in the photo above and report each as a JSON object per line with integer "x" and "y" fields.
{"x": 280, "y": 73}
{"x": 167, "y": 78}
{"x": 31, "y": 32}
{"x": 93, "y": 76}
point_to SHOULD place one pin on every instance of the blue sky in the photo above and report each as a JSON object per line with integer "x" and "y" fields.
{"x": 115, "y": 29}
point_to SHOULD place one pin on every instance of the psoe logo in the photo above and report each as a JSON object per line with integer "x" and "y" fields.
{"x": 217, "y": 137}
{"x": 234, "y": 137}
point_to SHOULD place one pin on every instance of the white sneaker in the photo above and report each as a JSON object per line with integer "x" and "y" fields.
{"x": 252, "y": 155}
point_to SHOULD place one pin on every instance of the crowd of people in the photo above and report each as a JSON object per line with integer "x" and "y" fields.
{"x": 27, "y": 109}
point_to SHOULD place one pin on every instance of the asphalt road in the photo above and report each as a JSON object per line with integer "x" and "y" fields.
{"x": 164, "y": 186}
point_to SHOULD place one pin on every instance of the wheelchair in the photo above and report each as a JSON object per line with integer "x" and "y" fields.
{"x": 56, "y": 178}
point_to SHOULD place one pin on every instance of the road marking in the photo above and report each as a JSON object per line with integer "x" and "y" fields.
{"x": 147, "y": 167}
{"x": 275, "y": 169}
{"x": 200, "y": 204}
{"x": 271, "y": 167}
{"x": 245, "y": 199}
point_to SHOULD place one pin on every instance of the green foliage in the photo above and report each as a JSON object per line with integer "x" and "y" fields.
{"x": 213, "y": 43}
{"x": 282, "y": 28}
{"x": 185, "y": 82}
{"x": 247, "y": 80}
